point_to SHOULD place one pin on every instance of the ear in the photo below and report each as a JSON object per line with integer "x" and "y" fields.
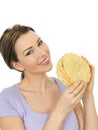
{"x": 17, "y": 66}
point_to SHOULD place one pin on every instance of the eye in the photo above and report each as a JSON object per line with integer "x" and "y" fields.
{"x": 40, "y": 43}
{"x": 29, "y": 52}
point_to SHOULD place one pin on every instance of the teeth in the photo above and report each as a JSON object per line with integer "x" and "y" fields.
{"x": 44, "y": 61}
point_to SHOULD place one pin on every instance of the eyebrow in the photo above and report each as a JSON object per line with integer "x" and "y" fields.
{"x": 27, "y": 49}
{"x": 38, "y": 40}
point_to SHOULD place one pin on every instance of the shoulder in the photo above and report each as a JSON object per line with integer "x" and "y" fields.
{"x": 9, "y": 95}
{"x": 10, "y": 101}
{"x": 7, "y": 92}
{"x": 61, "y": 86}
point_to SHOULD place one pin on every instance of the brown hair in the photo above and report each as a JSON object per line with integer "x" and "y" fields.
{"x": 8, "y": 40}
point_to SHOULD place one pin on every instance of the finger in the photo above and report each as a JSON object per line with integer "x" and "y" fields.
{"x": 79, "y": 96}
{"x": 79, "y": 88}
{"x": 75, "y": 85}
{"x": 92, "y": 69}
{"x": 90, "y": 65}
{"x": 92, "y": 74}
{"x": 85, "y": 60}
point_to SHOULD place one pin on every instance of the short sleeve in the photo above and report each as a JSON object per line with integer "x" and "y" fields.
{"x": 6, "y": 107}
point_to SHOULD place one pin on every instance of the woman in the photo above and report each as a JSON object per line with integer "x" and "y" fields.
{"x": 39, "y": 102}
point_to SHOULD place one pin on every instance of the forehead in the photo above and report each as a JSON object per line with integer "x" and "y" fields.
{"x": 26, "y": 40}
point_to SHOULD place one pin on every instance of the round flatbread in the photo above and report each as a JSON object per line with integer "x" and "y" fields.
{"x": 61, "y": 73}
{"x": 71, "y": 67}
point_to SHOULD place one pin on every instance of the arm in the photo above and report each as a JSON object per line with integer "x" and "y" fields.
{"x": 11, "y": 123}
{"x": 60, "y": 112}
{"x": 90, "y": 115}
{"x": 55, "y": 121}
{"x": 80, "y": 115}
{"x": 9, "y": 118}
{"x": 87, "y": 115}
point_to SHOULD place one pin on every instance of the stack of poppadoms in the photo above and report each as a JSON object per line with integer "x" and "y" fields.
{"x": 71, "y": 67}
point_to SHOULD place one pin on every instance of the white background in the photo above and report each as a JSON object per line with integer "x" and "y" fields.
{"x": 65, "y": 25}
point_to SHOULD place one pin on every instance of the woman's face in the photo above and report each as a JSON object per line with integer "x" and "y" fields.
{"x": 33, "y": 54}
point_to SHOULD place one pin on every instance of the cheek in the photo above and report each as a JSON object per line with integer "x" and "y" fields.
{"x": 29, "y": 62}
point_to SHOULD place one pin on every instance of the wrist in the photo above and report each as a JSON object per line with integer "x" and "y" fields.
{"x": 88, "y": 95}
{"x": 88, "y": 98}
{"x": 59, "y": 112}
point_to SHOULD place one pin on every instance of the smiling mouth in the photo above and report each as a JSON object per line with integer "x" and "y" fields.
{"x": 45, "y": 62}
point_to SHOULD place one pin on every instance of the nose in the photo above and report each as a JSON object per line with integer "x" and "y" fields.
{"x": 40, "y": 52}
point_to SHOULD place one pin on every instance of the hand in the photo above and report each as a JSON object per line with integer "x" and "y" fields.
{"x": 71, "y": 97}
{"x": 90, "y": 85}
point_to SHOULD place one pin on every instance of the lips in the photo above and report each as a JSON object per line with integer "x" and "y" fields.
{"x": 45, "y": 61}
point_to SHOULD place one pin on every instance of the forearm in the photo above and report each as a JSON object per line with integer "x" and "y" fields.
{"x": 55, "y": 121}
{"x": 90, "y": 115}
{"x": 60, "y": 112}
{"x": 80, "y": 115}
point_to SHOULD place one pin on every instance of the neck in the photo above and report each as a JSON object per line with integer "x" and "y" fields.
{"x": 35, "y": 83}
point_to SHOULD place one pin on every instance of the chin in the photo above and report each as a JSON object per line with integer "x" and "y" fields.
{"x": 49, "y": 68}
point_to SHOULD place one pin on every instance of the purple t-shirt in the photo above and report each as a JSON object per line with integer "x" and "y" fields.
{"x": 12, "y": 103}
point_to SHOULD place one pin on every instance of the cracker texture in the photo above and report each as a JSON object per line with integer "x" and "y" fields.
{"x": 71, "y": 67}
